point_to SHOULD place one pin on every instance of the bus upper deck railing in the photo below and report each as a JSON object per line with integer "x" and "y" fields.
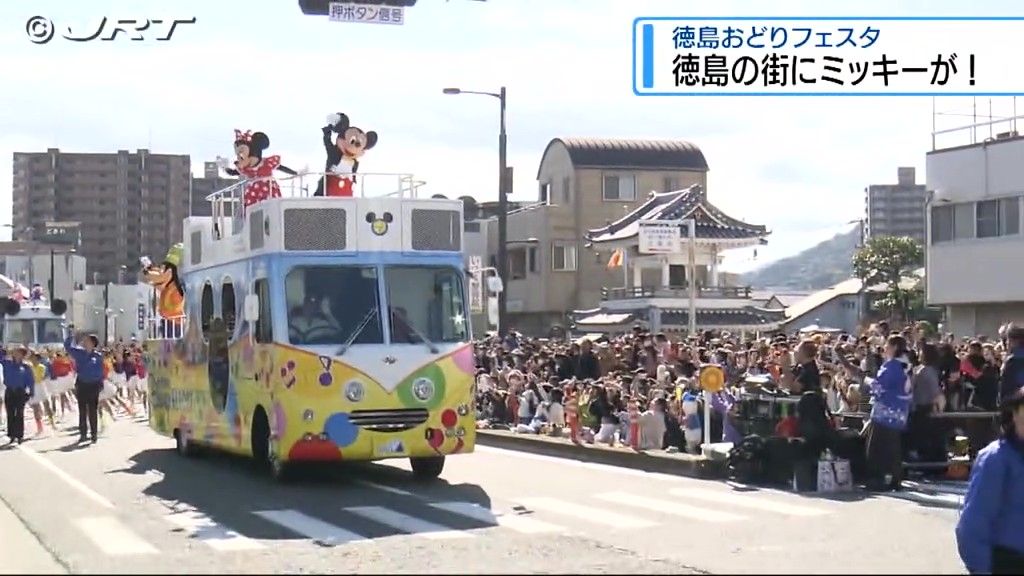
{"x": 304, "y": 185}
{"x": 160, "y": 328}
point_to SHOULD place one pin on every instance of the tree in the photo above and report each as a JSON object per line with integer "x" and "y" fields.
{"x": 887, "y": 261}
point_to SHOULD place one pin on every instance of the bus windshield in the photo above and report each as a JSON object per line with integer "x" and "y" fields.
{"x": 50, "y": 331}
{"x": 425, "y": 302}
{"x": 332, "y": 304}
{"x": 20, "y": 332}
{"x": 339, "y": 305}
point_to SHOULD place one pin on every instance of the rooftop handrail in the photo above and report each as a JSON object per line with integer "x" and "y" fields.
{"x": 674, "y": 291}
{"x": 304, "y": 184}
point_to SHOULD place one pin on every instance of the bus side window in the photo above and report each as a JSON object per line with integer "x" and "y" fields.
{"x": 206, "y": 309}
{"x": 227, "y": 306}
{"x": 264, "y": 324}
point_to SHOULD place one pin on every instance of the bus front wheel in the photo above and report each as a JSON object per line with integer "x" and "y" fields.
{"x": 428, "y": 468}
{"x": 263, "y": 447}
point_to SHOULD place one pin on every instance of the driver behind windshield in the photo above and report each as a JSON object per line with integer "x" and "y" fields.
{"x": 310, "y": 324}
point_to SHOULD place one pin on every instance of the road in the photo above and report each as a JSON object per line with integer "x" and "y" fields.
{"x": 130, "y": 504}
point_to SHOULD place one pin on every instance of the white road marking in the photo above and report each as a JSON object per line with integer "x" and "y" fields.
{"x": 200, "y": 527}
{"x": 67, "y": 478}
{"x": 406, "y": 523}
{"x": 517, "y": 522}
{"x": 588, "y": 513}
{"x": 746, "y": 500}
{"x": 319, "y": 531}
{"x": 673, "y": 507}
{"x": 385, "y": 488}
{"x": 113, "y": 537}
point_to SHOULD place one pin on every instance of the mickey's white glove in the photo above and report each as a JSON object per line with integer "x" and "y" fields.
{"x": 223, "y": 163}
{"x": 333, "y": 119}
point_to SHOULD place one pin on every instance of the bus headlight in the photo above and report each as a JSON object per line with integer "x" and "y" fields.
{"x": 423, "y": 389}
{"x": 354, "y": 391}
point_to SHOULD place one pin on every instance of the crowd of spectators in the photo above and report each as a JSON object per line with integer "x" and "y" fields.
{"x": 544, "y": 386}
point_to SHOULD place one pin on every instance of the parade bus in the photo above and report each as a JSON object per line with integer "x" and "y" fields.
{"x": 320, "y": 329}
{"x": 32, "y": 319}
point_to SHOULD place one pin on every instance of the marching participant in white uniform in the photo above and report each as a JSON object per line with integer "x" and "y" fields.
{"x": 37, "y": 403}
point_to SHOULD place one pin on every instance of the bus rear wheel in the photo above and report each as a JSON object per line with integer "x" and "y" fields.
{"x": 263, "y": 448}
{"x": 428, "y": 468}
{"x": 182, "y": 444}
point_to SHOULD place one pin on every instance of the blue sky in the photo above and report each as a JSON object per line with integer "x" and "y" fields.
{"x": 797, "y": 165}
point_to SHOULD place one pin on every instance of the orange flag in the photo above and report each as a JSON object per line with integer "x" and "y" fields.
{"x": 616, "y": 260}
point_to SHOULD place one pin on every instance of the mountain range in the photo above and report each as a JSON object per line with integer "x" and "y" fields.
{"x": 816, "y": 268}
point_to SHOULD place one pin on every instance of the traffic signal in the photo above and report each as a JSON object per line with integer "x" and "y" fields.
{"x": 322, "y": 7}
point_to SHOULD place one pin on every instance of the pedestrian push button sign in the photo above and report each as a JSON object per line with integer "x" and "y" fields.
{"x": 856, "y": 56}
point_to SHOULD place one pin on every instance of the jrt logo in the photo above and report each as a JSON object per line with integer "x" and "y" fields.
{"x": 41, "y": 30}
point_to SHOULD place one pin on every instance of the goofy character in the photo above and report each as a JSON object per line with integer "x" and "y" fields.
{"x": 164, "y": 278}
{"x": 343, "y": 153}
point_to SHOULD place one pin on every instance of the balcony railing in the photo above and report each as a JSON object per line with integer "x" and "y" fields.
{"x": 637, "y": 292}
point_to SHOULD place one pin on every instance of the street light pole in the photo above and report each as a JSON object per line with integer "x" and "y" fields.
{"x": 51, "y": 283}
{"x": 503, "y": 185}
{"x": 503, "y": 264}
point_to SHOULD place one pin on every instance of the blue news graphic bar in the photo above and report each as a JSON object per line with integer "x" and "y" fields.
{"x": 648, "y": 55}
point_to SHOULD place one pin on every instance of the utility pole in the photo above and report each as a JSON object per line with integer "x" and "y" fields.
{"x": 106, "y": 312}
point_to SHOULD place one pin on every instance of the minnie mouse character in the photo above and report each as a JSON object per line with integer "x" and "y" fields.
{"x": 249, "y": 147}
{"x": 343, "y": 153}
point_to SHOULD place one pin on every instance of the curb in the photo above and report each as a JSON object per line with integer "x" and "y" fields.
{"x": 936, "y": 500}
{"x": 691, "y": 468}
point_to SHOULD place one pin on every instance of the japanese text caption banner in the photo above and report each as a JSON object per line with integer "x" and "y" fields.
{"x": 868, "y": 56}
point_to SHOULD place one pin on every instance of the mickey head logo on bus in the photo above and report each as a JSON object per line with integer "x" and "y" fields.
{"x": 379, "y": 226}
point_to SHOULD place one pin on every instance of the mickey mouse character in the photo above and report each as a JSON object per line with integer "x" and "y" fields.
{"x": 343, "y": 153}
{"x": 249, "y": 162}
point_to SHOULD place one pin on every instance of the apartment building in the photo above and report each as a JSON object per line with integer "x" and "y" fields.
{"x": 584, "y": 184}
{"x": 974, "y": 234}
{"x": 896, "y": 209}
{"x": 211, "y": 181}
{"x": 128, "y": 204}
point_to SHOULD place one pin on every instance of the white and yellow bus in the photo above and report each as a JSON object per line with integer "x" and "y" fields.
{"x": 320, "y": 330}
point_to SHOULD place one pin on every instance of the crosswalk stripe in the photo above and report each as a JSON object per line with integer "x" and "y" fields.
{"x": 743, "y": 500}
{"x": 516, "y": 522}
{"x": 672, "y": 507}
{"x": 200, "y": 527}
{"x": 605, "y": 517}
{"x": 384, "y": 488}
{"x": 319, "y": 531}
{"x": 406, "y": 523}
{"x": 113, "y": 537}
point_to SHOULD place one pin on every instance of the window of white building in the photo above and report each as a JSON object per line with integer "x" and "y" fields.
{"x": 563, "y": 257}
{"x": 619, "y": 187}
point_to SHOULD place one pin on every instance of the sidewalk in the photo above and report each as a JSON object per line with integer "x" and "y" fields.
{"x": 677, "y": 463}
{"x": 21, "y": 551}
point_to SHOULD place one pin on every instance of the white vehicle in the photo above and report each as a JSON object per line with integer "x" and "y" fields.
{"x": 32, "y": 319}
